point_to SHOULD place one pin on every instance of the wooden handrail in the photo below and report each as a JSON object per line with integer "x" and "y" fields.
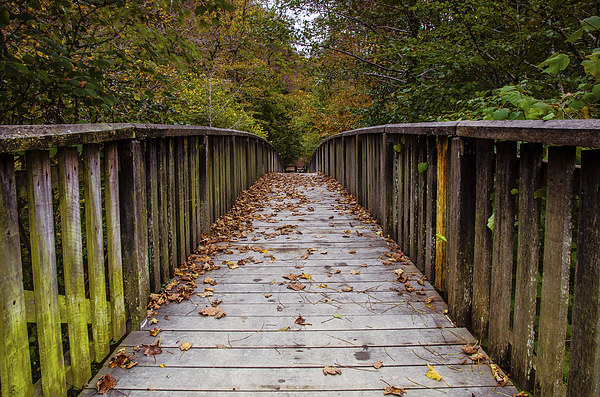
{"x": 149, "y": 192}
{"x": 439, "y": 189}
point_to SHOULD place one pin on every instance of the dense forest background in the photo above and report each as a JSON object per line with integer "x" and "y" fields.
{"x": 296, "y": 71}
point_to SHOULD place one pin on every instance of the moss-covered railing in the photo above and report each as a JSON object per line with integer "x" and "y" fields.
{"x": 505, "y": 218}
{"x": 92, "y": 219}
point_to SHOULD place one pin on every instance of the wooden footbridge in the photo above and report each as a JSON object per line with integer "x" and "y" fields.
{"x": 110, "y": 262}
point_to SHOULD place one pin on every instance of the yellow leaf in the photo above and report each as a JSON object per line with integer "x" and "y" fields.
{"x": 433, "y": 374}
{"x": 162, "y": 365}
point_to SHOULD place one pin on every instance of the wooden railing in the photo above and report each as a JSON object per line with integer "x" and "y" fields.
{"x": 440, "y": 188}
{"x": 148, "y": 192}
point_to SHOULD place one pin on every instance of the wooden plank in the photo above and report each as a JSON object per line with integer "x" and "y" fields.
{"x": 528, "y": 258}
{"x": 180, "y": 189}
{"x": 154, "y": 229}
{"x": 95, "y": 252}
{"x": 113, "y": 240}
{"x": 134, "y": 245}
{"x": 502, "y": 253}
{"x": 421, "y": 190}
{"x": 72, "y": 255}
{"x": 461, "y": 230}
{"x": 172, "y": 206}
{"x": 584, "y": 364}
{"x": 41, "y": 230}
{"x": 164, "y": 203}
{"x": 556, "y": 267}
{"x": 430, "y": 208}
{"x": 482, "y": 255}
{"x": 15, "y": 366}
{"x": 440, "y": 217}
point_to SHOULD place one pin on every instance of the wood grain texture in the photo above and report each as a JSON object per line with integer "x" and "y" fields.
{"x": 72, "y": 253}
{"x": 502, "y": 253}
{"x": 41, "y": 229}
{"x": 95, "y": 251}
{"x": 482, "y": 256}
{"x": 461, "y": 231}
{"x": 154, "y": 230}
{"x": 15, "y": 366}
{"x": 584, "y": 365}
{"x": 556, "y": 268}
{"x": 441, "y": 222}
{"x": 430, "y": 208}
{"x": 528, "y": 258}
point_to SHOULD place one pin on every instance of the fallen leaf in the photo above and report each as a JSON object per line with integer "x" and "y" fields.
{"x": 301, "y": 321}
{"x": 215, "y": 311}
{"x": 478, "y": 357}
{"x": 399, "y": 272}
{"x": 429, "y": 300}
{"x": 322, "y": 285}
{"x": 154, "y": 331}
{"x": 105, "y": 383}
{"x": 521, "y": 394}
{"x": 337, "y": 315}
{"x": 470, "y": 349}
{"x": 205, "y": 294}
{"x": 331, "y": 371}
{"x": 268, "y": 295}
{"x": 378, "y": 364}
{"x": 284, "y": 329}
{"x": 324, "y": 253}
{"x": 122, "y": 360}
{"x": 152, "y": 321}
{"x": 296, "y": 286}
{"x": 347, "y": 289}
{"x": 354, "y": 271}
{"x": 352, "y": 252}
{"x": 152, "y": 349}
{"x": 210, "y": 281}
{"x": 185, "y": 346}
{"x": 433, "y": 374}
{"x": 221, "y": 346}
{"x": 499, "y": 375}
{"x": 394, "y": 391}
{"x": 162, "y": 365}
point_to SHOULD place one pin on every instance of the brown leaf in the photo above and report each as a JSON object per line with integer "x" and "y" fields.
{"x": 210, "y": 281}
{"x": 331, "y": 371}
{"x": 268, "y": 295}
{"x": 291, "y": 276}
{"x": 121, "y": 360}
{"x": 105, "y": 383}
{"x": 394, "y": 391}
{"x": 378, "y": 364}
{"x": 470, "y": 349}
{"x": 185, "y": 346}
{"x": 354, "y": 271}
{"x": 301, "y": 321}
{"x": 352, "y": 252}
{"x": 152, "y": 349}
{"x": 296, "y": 286}
{"x": 521, "y": 394}
{"x": 215, "y": 311}
{"x": 347, "y": 289}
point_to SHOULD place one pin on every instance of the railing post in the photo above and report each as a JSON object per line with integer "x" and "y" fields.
{"x": 441, "y": 220}
{"x": 584, "y": 365}
{"x": 41, "y": 227}
{"x": 134, "y": 236}
{"x": 430, "y": 208}
{"x": 15, "y": 366}
{"x": 461, "y": 218}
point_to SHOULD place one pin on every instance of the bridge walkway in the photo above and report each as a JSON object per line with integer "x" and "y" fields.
{"x": 306, "y": 284}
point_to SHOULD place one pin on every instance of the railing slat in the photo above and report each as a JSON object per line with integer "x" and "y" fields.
{"x": 430, "y": 210}
{"x": 15, "y": 366}
{"x": 461, "y": 219}
{"x": 502, "y": 253}
{"x": 482, "y": 256}
{"x": 584, "y": 365}
{"x": 421, "y": 190}
{"x": 95, "y": 251}
{"x": 440, "y": 222}
{"x": 555, "y": 279}
{"x": 172, "y": 206}
{"x": 180, "y": 172}
{"x": 154, "y": 229}
{"x": 528, "y": 257}
{"x": 72, "y": 254}
{"x": 163, "y": 205}
{"x": 41, "y": 228}
{"x": 193, "y": 147}
{"x": 113, "y": 240}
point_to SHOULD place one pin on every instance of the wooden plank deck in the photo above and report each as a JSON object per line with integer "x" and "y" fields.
{"x": 258, "y": 348}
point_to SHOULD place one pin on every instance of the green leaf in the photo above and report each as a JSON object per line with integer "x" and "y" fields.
{"x": 514, "y": 191}
{"x": 398, "y": 148}
{"x": 439, "y": 237}
{"x": 556, "y": 63}
{"x": 501, "y": 114}
{"x": 575, "y": 36}
{"x": 549, "y": 116}
{"x": 4, "y": 17}
{"x": 591, "y": 23}
{"x": 422, "y": 167}
{"x": 337, "y": 315}
{"x": 540, "y": 193}
{"x": 589, "y": 97}
{"x": 490, "y": 223}
{"x": 596, "y": 90}
{"x": 592, "y": 65}
{"x": 576, "y": 104}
